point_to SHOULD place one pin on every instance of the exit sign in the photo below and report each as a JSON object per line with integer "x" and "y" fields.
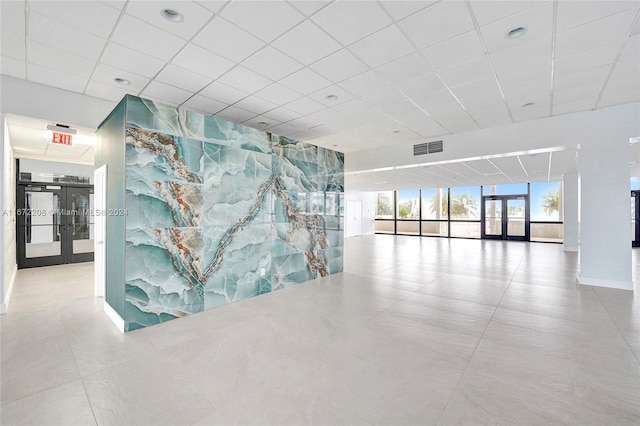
{"x": 61, "y": 138}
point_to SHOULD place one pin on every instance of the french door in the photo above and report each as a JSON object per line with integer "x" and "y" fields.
{"x": 54, "y": 224}
{"x": 505, "y": 217}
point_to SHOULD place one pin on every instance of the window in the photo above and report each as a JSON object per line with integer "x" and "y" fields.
{"x": 384, "y": 205}
{"x": 546, "y": 202}
{"x": 465, "y": 203}
{"x": 408, "y": 204}
{"x": 505, "y": 189}
{"x": 434, "y": 204}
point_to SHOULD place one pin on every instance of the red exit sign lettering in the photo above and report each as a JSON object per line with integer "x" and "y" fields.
{"x": 61, "y": 138}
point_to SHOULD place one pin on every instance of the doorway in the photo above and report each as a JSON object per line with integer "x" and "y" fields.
{"x": 505, "y": 217}
{"x": 635, "y": 218}
{"x": 54, "y": 224}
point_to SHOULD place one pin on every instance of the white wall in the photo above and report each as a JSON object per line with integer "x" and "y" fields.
{"x": 8, "y": 266}
{"x": 367, "y": 200}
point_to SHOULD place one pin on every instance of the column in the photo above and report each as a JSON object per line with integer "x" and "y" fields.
{"x": 570, "y": 203}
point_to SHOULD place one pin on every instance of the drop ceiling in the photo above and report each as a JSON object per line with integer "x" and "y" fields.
{"x": 402, "y": 71}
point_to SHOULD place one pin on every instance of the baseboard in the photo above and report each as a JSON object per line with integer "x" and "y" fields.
{"x": 570, "y": 248}
{"x": 114, "y": 316}
{"x": 4, "y": 306}
{"x": 598, "y": 282}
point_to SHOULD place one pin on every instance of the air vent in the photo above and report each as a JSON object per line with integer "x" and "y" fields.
{"x": 428, "y": 148}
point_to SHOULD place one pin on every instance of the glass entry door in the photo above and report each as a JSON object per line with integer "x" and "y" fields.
{"x": 55, "y": 225}
{"x": 505, "y": 217}
{"x": 635, "y": 218}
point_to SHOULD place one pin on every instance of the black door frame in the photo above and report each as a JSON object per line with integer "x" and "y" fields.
{"x": 65, "y": 225}
{"x": 636, "y": 196}
{"x": 505, "y": 217}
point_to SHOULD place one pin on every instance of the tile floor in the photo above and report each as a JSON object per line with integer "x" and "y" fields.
{"x": 415, "y": 331}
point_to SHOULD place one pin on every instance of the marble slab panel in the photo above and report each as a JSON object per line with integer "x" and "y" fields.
{"x": 150, "y": 115}
{"x": 234, "y": 135}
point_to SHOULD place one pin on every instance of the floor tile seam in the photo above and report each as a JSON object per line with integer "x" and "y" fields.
{"x": 446, "y": 310}
{"x": 635, "y": 355}
{"x": 453, "y": 391}
{"x": 86, "y": 394}
{"x": 41, "y": 390}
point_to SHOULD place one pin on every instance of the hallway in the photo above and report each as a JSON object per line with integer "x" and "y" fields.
{"x": 415, "y": 331}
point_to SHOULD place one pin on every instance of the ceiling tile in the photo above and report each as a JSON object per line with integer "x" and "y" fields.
{"x": 235, "y": 114}
{"x": 146, "y": 38}
{"x": 223, "y": 93}
{"x": 272, "y": 63}
{"x": 430, "y": 100}
{"x": 48, "y": 56}
{"x": 305, "y": 81}
{"x": 523, "y": 55}
{"x": 265, "y": 20}
{"x": 255, "y": 105}
{"x": 12, "y": 67}
{"x": 353, "y": 107}
{"x": 64, "y": 37}
{"x": 212, "y": 5}
{"x": 296, "y": 43}
{"x": 619, "y": 93}
{"x": 284, "y": 129}
{"x": 339, "y": 66}
{"x": 602, "y": 55}
{"x": 260, "y": 123}
{"x": 194, "y": 15}
{"x": 204, "y": 105}
{"x": 483, "y": 93}
{"x": 12, "y": 18}
{"x": 537, "y": 21}
{"x": 603, "y": 31}
{"x": 227, "y": 40}
{"x": 106, "y": 74}
{"x": 321, "y": 96}
{"x": 55, "y": 78}
{"x": 535, "y": 92}
{"x": 106, "y": 91}
{"x": 183, "y": 78}
{"x": 631, "y": 50}
{"x": 12, "y": 46}
{"x": 383, "y": 96}
{"x": 541, "y": 110}
{"x": 305, "y": 106}
{"x": 400, "y": 9}
{"x": 325, "y": 116}
{"x": 92, "y": 17}
{"x": 203, "y": 62}
{"x": 626, "y": 72}
{"x": 304, "y": 123}
{"x": 278, "y": 94}
{"x": 343, "y": 20}
{"x": 581, "y": 78}
{"x": 562, "y": 96}
{"x": 586, "y": 104}
{"x": 131, "y": 60}
{"x": 245, "y": 80}
{"x": 309, "y": 7}
{"x": 466, "y": 73}
{"x": 364, "y": 83}
{"x": 491, "y": 11}
{"x": 574, "y": 13}
{"x": 422, "y": 86}
{"x": 282, "y": 114}
{"x": 172, "y": 95}
{"x": 382, "y": 47}
{"x": 455, "y": 51}
{"x": 525, "y": 75}
{"x": 437, "y": 23}
{"x": 495, "y": 116}
{"x": 405, "y": 69}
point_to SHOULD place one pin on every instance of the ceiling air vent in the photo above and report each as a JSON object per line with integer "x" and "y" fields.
{"x": 428, "y": 148}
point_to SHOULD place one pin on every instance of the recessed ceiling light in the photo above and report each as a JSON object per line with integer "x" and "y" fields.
{"x": 331, "y": 97}
{"x": 122, "y": 81}
{"x": 517, "y": 32}
{"x": 263, "y": 123}
{"x": 171, "y": 15}
{"x": 528, "y": 104}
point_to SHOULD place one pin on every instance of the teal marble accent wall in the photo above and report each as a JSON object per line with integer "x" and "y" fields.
{"x": 219, "y": 212}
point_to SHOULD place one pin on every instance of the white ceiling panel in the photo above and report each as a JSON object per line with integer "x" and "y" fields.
{"x": 588, "y": 91}
{"x": 255, "y": 105}
{"x": 309, "y": 7}
{"x": 535, "y": 163}
{"x": 537, "y": 21}
{"x": 60, "y": 60}
{"x": 55, "y": 78}
{"x": 106, "y": 74}
{"x": 455, "y": 51}
{"x": 150, "y": 11}
{"x": 223, "y": 93}
{"x": 574, "y": 80}
{"x": 295, "y": 43}
{"x": 12, "y": 46}
{"x": 12, "y": 18}
{"x": 201, "y": 61}
{"x": 304, "y": 106}
{"x": 602, "y": 55}
{"x": 466, "y": 73}
{"x": 528, "y": 93}
{"x": 181, "y": 77}
{"x": 382, "y": 47}
{"x": 339, "y": 66}
{"x": 399, "y": 9}
{"x": 106, "y": 91}
{"x": 432, "y": 99}
{"x": 482, "y": 167}
{"x": 235, "y": 114}
{"x": 284, "y": 129}
{"x": 479, "y": 94}
{"x": 94, "y": 18}
{"x": 491, "y": 11}
{"x": 245, "y": 80}
{"x": 343, "y": 20}
{"x": 277, "y": 93}
{"x": 64, "y": 37}
{"x": 631, "y": 50}
{"x": 272, "y": 63}
{"x": 531, "y": 52}
{"x": 264, "y": 19}
{"x": 564, "y": 161}
{"x": 260, "y": 122}
{"x": 282, "y": 114}
{"x": 540, "y": 71}
{"x": 227, "y": 40}
{"x": 603, "y": 31}
{"x": 574, "y": 13}
{"x": 12, "y": 67}
{"x": 585, "y": 104}
{"x": 170, "y": 94}
{"x": 488, "y": 117}
{"x": 510, "y": 167}
{"x": 405, "y": 69}
{"x": 539, "y": 110}
{"x": 322, "y": 96}
{"x": 212, "y": 5}
{"x": 146, "y": 38}
{"x": 131, "y": 60}
{"x": 364, "y": 83}
{"x": 305, "y": 81}
{"x": 437, "y": 23}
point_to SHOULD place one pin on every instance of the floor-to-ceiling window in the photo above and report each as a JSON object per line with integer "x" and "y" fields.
{"x": 435, "y": 212}
{"x": 408, "y": 212}
{"x": 546, "y": 212}
{"x": 385, "y": 217}
{"x": 464, "y": 212}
